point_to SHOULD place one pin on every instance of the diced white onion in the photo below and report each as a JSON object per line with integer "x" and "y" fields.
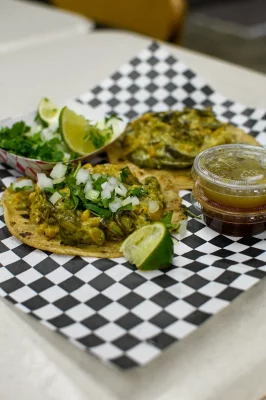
{"x": 121, "y": 190}
{"x": 66, "y": 156}
{"x": 126, "y": 201}
{"x": 22, "y": 183}
{"x": 92, "y": 195}
{"x": 130, "y": 200}
{"x": 113, "y": 181}
{"x": 182, "y": 228}
{"x": 113, "y": 123}
{"x": 59, "y": 180}
{"x": 134, "y": 200}
{"x": 35, "y": 128}
{"x": 88, "y": 187}
{"x": 43, "y": 181}
{"x": 54, "y": 125}
{"x": 116, "y": 125}
{"x": 115, "y": 205}
{"x": 55, "y": 197}
{"x": 48, "y": 134}
{"x": 106, "y": 194}
{"x": 95, "y": 176}
{"x": 122, "y": 186}
{"x": 59, "y": 171}
{"x": 153, "y": 206}
{"x": 107, "y": 190}
{"x": 83, "y": 176}
{"x": 59, "y": 146}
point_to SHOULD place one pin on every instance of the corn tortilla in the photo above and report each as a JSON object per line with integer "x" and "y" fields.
{"x": 18, "y": 223}
{"x": 181, "y": 177}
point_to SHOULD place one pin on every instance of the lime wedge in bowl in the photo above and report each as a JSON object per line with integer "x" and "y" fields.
{"x": 48, "y": 112}
{"x": 73, "y": 129}
{"x": 84, "y": 137}
{"x": 149, "y": 247}
{"x": 44, "y": 143}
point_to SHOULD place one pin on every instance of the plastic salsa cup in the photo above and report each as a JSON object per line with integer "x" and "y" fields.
{"x": 230, "y": 188}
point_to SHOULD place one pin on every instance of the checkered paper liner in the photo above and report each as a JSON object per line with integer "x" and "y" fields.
{"x": 121, "y": 315}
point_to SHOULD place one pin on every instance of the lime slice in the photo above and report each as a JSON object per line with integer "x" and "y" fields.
{"x": 74, "y": 129}
{"x": 150, "y": 247}
{"x": 48, "y": 112}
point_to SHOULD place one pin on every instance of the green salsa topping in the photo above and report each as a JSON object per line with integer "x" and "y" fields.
{"x": 90, "y": 205}
{"x": 173, "y": 139}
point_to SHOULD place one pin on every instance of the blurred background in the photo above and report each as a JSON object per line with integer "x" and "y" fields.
{"x": 233, "y": 30}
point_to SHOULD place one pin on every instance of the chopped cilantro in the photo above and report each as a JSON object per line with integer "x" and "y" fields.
{"x": 20, "y": 189}
{"x": 167, "y": 220}
{"x": 48, "y": 150}
{"x": 127, "y": 177}
{"x": 97, "y": 185}
{"x": 77, "y": 196}
{"x": 127, "y": 207}
{"x": 15, "y": 140}
{"x": 102, "y": 212}
{"x": 111, "y": 116}
{"x": 105, "y": 202}
{"x": 75, "y": 201}
{"x": 20, "y": 140}
{"x": 124, "y": 174}
{"x": 98, "y": 136}
{"x": 49, "y": 190}
{"x": 74, "y": 173}
{"x": 138, "y": 192}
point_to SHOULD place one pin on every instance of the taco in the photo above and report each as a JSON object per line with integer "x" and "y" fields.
{"x": 88, "y": 211}
{"x": 171, "y": 140}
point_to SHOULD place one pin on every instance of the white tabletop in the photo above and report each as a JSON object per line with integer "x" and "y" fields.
{"x": 24, "y": 23}
{"x": 66, "y": 68}
{"x": 223, "y": 359}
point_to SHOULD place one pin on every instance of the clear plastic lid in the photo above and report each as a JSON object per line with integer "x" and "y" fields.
{"x": 235, "y": 169}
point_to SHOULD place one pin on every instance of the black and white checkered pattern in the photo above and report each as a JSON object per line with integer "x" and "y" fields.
{"x": 123, "y": 316}
{"x": 157, "y": 81}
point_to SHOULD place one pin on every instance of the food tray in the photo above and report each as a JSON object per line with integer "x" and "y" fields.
{"x": 122, "y": 316}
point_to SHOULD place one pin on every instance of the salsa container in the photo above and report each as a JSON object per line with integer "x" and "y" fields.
{"x": 230, "y": 188}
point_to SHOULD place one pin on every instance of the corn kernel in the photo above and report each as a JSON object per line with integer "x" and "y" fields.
{"x": 31, "y": 196}
{"x": 85, "y": 215}
{"x": 51, "y": 232}
{"x": 42, "y": 227}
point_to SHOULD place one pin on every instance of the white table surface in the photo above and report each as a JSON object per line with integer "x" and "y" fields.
{"x": 24, "y": 23}
{"x": 66, "y": 68}
{"x": 223, "y": 359}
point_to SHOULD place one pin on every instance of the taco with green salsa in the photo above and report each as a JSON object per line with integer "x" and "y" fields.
{"x": 171, "y": 140}
{"x": 88, "y": 211}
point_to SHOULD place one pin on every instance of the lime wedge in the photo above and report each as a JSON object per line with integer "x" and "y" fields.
{"x": 150, "y": 247}
{"x": 48, "y": 112}
{"x": 74, "y": 129}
